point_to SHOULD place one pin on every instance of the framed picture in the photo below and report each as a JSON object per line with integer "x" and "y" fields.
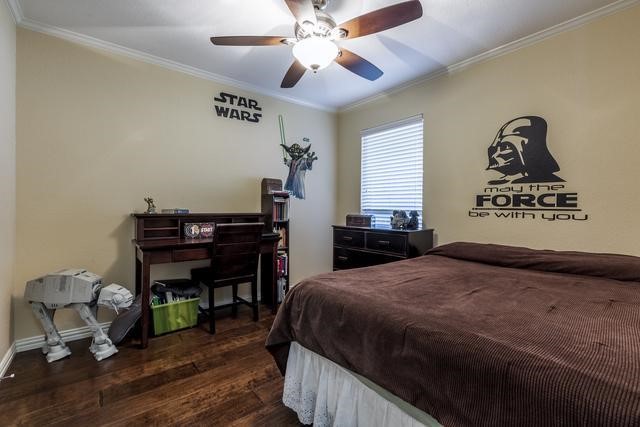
{"x": 192, "y": 230}
{"x": 198, "y": 230}
{"x": 206, "y": 230}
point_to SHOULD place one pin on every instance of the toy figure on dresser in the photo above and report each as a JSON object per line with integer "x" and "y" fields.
{"x": 301, "y": 160}
{"x": 151, "y": 207}
{"x": 399, "y": 220}
{"x": 413, "y": 221}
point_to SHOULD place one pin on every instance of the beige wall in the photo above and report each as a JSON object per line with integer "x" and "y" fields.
{"x": 99, "y": 132}
{"x": 585, "y": 82}
{"x": 7, "y": 171}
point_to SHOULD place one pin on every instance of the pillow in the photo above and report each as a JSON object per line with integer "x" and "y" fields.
{"x": 611, "y": 266}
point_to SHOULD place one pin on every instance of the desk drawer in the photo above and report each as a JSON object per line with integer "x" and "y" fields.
{"x": 387, "y": 242}
{"x": 351, "y": 238}
{"x": 180, "y": 255}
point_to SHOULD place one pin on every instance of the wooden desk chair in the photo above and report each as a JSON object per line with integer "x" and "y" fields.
{"x": 234, "y": 260}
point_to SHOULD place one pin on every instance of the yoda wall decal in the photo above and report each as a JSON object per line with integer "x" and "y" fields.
{"x": 299, "y": 162}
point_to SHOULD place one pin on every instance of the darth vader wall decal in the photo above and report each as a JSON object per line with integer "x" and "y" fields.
{"x": 520, "y": 153}
{"x": 528, "y": 187}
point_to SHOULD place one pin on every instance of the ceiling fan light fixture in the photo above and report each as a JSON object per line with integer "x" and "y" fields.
{"x": 315, "y": 53}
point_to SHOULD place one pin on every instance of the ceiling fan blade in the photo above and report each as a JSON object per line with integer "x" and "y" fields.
{"x": 358, "y": 65}
{"x": 382, "y": 19}
{"x": 295, "y": 73}
{"x": 248, "y": 40}
{"x": 302, "y": 10}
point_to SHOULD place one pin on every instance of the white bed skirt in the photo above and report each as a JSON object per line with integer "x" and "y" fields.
{"x": 323, "y": 393}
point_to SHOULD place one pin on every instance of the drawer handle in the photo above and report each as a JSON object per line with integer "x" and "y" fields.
{"x": 343, "y": 258}
{"x": 347, "y": 238}
{"x": 384, "y": 242}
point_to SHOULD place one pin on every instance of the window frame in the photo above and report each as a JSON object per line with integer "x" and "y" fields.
{"x": 414, "y": 202}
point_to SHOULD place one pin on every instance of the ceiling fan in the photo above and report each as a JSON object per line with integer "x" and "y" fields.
{"x": 316, "y": 34}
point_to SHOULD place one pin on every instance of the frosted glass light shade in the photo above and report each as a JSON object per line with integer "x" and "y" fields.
{"x": 315, "y": 53}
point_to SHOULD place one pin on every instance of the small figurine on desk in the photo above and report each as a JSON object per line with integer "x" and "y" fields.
{"x": 151, "y": 207}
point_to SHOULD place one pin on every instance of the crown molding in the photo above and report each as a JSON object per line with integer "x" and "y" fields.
{"x": 15, "y": 9}
{"x": 93, "y": 42}
{"x": 500, "y": 51}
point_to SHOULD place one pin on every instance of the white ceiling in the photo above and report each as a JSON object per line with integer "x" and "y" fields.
{"x": 178, "y": 30}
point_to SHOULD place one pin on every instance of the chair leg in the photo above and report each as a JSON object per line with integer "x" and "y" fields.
{"x": 234, "y": 307}
{"x": 254, "y": 299}
{"x": 212, "y": 312}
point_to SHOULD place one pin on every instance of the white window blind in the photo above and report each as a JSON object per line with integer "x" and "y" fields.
{"x": 391, "y": 169}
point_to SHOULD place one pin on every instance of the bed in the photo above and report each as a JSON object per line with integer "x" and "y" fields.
{"x": 468, "y": 335}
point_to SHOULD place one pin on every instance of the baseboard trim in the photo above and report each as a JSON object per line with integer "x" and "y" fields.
{"x": 7, "y": 359}
{"x": 31, "y": 343}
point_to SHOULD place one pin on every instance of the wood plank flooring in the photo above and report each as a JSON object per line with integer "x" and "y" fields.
{"x": 185, "y": 378}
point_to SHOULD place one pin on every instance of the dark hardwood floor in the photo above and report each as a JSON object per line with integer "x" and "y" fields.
{"x": 185, "y": 378}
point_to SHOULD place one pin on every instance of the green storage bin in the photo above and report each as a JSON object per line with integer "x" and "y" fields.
{"x": 176, "y": 315}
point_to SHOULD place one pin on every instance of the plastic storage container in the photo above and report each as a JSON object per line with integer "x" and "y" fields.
{"x": 176, "y": 315}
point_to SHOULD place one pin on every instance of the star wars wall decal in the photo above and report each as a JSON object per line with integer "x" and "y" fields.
{"x": 299, "y": 160}
{"x": 519, "y": 152}
{"x": 229, "y": 100}
{"x": 528, "y": 186}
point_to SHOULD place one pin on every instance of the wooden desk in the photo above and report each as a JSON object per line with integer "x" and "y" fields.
{"x": 160, "y": 240}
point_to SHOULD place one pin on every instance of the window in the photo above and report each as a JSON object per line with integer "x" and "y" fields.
{"x": 391, "y": 170}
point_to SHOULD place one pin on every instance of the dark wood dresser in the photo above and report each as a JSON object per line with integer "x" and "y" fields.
{"x": 355, "y": 247}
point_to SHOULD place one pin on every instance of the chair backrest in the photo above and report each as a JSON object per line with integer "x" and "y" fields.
{"x": 236, "y": 248}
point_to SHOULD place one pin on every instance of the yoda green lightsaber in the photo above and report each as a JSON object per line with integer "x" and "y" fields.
{"x": 282, "y": 138}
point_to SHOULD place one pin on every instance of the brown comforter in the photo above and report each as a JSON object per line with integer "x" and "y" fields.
{"x": 483, "y": 334}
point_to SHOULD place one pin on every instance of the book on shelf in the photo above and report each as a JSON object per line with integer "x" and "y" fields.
{"x": 175, "y": 211}
{"x": 283, "y": 265}
{"x": 280, "y": 210}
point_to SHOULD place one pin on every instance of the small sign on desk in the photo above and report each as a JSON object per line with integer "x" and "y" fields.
{"x": 198, "y": 230}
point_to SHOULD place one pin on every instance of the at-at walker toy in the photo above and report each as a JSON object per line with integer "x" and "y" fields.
{"x": 82, "y": 291}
